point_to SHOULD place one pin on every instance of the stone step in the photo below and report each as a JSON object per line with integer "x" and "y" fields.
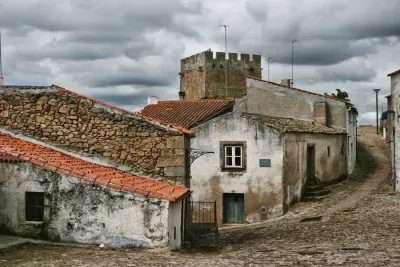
{"x": 316, "y": 193}
{"x": 313, "y": 198}
{"x": 314, "y": 187}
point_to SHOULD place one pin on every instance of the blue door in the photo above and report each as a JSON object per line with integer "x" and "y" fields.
{"x": 233, "y": 208}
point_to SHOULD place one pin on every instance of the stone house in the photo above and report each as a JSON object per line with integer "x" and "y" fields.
{"x": 51, "y": 194}
{"x": 273, "y": 99}
{"x": 134, "y": 147}
{"x": 256, "y": 166}
{"x": 394, "y": 131}
{"x": 77, "y": 123}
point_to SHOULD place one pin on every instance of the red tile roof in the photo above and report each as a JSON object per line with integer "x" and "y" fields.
{"x": 301, "y": 90}
{"x": 186, "y": 113}
{"x": 15, "y": 149}
{"x": 393, "y": 73}
{"x": 170, "y": 124}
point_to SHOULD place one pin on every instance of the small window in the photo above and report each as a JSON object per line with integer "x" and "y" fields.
{"x": 233, "y": 156}
{"x": 329, "y": 151}
{"x": 34, "y": 206}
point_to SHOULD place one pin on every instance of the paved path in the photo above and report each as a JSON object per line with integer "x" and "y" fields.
{"x": 367, "y": 234}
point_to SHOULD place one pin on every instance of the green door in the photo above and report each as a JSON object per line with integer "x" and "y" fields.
{"x": 233, "y": 208}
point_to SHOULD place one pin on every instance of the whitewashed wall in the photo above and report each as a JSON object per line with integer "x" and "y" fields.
{"x": 395, "y": 89}
{"x": 262, "y": 186}
{"x": 77, "y": 211}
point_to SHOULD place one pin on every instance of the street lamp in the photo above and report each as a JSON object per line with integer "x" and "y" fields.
{"x": 377, "y": 124}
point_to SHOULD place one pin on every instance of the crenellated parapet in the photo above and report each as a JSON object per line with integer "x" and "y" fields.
{"x": 204, "y": 74}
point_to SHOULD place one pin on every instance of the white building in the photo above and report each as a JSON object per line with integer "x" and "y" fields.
{"x": 49, "y": 194}
{"x": 395, "y": 124}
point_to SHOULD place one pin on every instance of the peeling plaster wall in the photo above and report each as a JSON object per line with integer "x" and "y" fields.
{"x": 77, "y": 211}
{"x": 273, "y": 100}
{"x": 262, "y": 186}
{"x": 395, "y": 89}
{"x": 175, "y": 226}
{"x": 328, "y": 168}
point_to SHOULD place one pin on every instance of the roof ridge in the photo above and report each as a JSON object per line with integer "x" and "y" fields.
{"x": 177, "y": 127}
{"x": 301, "y": 90}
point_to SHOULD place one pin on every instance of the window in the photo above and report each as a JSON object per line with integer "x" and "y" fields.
{"x": 233, "y": 155}
{"x": 34, "y": 206}
{"x": 329, "y": 151}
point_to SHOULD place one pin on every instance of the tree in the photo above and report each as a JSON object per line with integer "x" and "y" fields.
{"x": 340, "y": 95}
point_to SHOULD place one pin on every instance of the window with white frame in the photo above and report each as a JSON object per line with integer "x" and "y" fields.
{"x": 233, "y": 156}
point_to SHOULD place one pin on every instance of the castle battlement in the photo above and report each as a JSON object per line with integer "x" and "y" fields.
{"x": 209, "y": 74}
{"x": 210, "y": 56}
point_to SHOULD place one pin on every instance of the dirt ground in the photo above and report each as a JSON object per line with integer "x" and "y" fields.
{"x": 359, "y": 226}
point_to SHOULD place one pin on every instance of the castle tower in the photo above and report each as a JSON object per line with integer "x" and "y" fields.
{"x": 203, "y": 76}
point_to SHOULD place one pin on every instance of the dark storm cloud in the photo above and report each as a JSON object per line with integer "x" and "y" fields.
{"x": 124, "y": 100}
{"x": 106, "y": 46}
{"x": 127, "y": 79}
{"x": 327, "y": 32}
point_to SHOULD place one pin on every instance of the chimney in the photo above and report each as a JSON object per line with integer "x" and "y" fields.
{"x": 320, "y": 113}
{"x": 181, "y": 95}
{"x": 287, "y": 82}
{"x": 152, "y": 100}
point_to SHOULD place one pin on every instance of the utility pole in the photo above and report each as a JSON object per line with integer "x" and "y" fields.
{"x": 226, "y": 62}
{"x": 293, "y": 60}
{"x": 268, "y": 66}
{"x": 377, "y": 124}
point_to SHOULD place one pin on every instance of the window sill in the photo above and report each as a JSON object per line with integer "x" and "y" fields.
{"x": 33, "y": 222}
{"x": 241, "y": 169}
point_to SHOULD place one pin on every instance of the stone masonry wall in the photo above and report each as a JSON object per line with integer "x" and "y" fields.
{"x": 202, "y": 75}
{"x": 83, "y": 125}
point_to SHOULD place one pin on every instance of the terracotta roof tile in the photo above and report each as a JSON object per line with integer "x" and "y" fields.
{"x": 170, "y": 124}
{"x": 294, "y": 125}
{"x": 301, "y": 90}
{"x": 186, "y": 113}
{"x": 15, "y": 149}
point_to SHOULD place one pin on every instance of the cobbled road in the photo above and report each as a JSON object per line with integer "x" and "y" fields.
{"x": 359, "y": 225}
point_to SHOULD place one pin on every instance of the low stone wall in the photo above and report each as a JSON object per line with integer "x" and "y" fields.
{"x": 71, "y": 121}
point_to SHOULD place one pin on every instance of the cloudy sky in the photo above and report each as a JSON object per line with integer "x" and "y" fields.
{"x": 122, "y": 51}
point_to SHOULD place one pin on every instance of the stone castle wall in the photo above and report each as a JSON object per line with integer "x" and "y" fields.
{"x": 203, "y": 76}
{"x": 73, "y": 122}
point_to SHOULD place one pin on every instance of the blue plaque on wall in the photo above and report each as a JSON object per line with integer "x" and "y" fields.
{"x": 265, "y": 163}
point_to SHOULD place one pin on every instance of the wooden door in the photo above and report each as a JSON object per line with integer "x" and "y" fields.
{"x": 310, "y": 164}
{"x": 233, "y": 205}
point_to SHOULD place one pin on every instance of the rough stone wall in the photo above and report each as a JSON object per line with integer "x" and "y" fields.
{"x": 262, "y": 186}
{"x": 79, "y": 211}
{"x": 73, "y": 122}
{"x": 330, "y": 161}
{"x": 202, "y": 75}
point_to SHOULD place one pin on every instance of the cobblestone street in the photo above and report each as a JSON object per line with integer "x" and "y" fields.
{"x": 357, "y": 225}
